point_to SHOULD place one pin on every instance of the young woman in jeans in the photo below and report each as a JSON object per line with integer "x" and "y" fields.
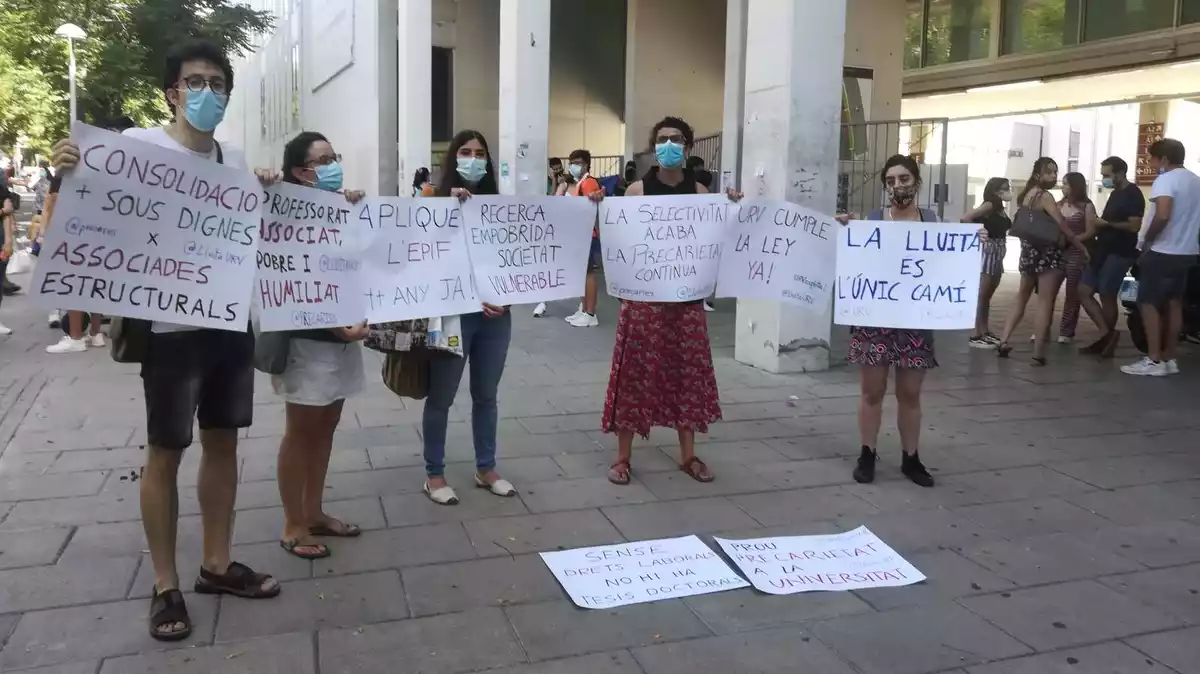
{"x": 467, "y": 169}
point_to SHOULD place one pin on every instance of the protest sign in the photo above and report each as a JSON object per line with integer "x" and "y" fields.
{"x": 781, "y": 252}
{"x": 664, "y": 249}
{"x": 528, "y": 249}
{"x": 907, "y": 275}
{"x": 634, "y": 573}
{"x": 140, "y": 231}
{"x": 415, "y": 260}
{"x": 309, "y": 259}
{"x": 853, "y": 560}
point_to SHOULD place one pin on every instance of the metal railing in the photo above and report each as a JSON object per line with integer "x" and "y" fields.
{"x": 866, "y": 147}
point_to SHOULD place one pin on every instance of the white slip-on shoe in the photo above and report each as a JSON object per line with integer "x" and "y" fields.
{"x": 441, "y": 495}
{"x": 500, "y": 487}
{"x": 539, "y": 310}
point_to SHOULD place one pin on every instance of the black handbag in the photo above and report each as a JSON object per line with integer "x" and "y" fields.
{"x": 1035, "y": 227}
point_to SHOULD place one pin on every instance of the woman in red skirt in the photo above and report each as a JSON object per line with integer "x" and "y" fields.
{"x": 662, "y": 368}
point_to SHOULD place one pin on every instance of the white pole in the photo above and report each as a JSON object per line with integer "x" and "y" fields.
{"x": 71, "y": 76}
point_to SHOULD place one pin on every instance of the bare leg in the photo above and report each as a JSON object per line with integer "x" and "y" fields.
{"x": 873, "y": 387}
{"x": 687, "y": 444}
{"x": 1024, "y": 292}
{"x": 1087, "y": 301}
{"x": 1152, "y": 322}
{"x": 75, "y": 324}
{"x": 908, "y": 403}
{"x": 160, "y": 514}
{"x": 1172, "y": 325}
{"x": 318, "y": 467}
{"x": 217, "y": 492}
{"x": 1048, "y": 284}
{"x": 97, "y": 323}
{"x": 1110, "y": 307}
{"x": 589, "y": 293}
{"x": 987, "y": 288}
{"x": 297, "y": 451}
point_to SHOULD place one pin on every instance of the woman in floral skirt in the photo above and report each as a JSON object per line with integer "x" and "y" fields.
{"x": 662, "y": 368}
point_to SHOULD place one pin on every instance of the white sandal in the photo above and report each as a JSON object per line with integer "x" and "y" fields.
{"x": 500, "y": 487}
{"x": 441, "y": 495}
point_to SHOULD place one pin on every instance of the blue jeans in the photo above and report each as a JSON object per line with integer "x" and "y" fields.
{"x": 485, "y": 348}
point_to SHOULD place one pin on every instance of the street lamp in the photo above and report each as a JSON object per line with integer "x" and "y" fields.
{"x": 71, "y": 32}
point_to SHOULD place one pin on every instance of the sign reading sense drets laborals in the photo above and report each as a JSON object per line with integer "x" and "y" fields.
{"x": 907, "y": 275}
{"x": 781, "y": 252}
{"x": 415, "y": 259}
{"x": 309, "y": 261}
{"x": 141, "y": 231}
{"x": 664, "y": 249}
{"x": 853, "y": 560}
{"x": 607, "y": 576}
{"x": 528, "y": 249}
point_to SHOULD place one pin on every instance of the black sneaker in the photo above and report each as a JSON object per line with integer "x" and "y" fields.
{"x": 914, "y": 470}
{"x": 864, "y": 472}
{"x": 981, "y": 342}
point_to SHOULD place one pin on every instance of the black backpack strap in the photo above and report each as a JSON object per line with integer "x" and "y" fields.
{"x": 220, "y": 155}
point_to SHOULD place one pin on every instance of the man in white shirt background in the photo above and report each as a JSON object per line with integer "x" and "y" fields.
{"x": 1169, "y": 244}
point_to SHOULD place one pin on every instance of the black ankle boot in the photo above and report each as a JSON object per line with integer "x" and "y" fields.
{"x": 864, "y": 472}
{"x": 914, "y": 470}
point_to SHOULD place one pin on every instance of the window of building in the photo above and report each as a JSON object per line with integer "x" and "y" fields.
{"x": 1189, "y": 11}
{"x": 442, "y": 95}
{"x": 1115, "y": 18}
{"x": 914, "y": 26}
{"x": 1040, "y": 25}
{"x": 956, "y": 31}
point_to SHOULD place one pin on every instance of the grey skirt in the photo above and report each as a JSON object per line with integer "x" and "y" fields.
{"x": 320, "y": 373}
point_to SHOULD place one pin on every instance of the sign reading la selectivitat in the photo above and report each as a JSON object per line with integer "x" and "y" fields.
{"x": 140, "y": 231}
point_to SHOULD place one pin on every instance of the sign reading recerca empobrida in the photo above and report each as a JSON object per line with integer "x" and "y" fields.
{"x": 142, "y": 231}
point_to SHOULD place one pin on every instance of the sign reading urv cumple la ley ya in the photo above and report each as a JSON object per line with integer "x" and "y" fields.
{"x": 664, "y": 249}
{"x": 141, "y": 231}
{"x": 415, "y": 259}
{"x": 910, "y": 275}
{"x": 309, "y": 258}
{"x": 781, "y": 252}
{"x": 528, "y": 249}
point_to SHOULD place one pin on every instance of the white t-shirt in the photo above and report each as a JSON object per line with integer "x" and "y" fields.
{"x": 1181, "y": 236}
{"x": 229, "y": 157}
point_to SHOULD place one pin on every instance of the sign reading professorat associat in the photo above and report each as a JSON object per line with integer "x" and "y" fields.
{"x": 910, "y": 275}
{"x": 664, "y": 249}
{"x": 853, "y": 560}
{"x": 415, "y": 259}
{"x": 309, "y": 258}
{"x": 634, "y": 573}
{"x": 781, "y": 252}
{"x": 528, "y": 250}
{"x": 141, "y": 231}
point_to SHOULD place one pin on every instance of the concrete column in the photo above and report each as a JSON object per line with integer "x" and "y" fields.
{"x": 794, "y": 59}
{"x": 413, "y": 74}
{"x": 735, "y": 93}
{"x": 524, "y": 96}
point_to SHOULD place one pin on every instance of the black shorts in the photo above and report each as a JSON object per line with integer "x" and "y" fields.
{"x": 1162, "y": 277}
{"x": 207, "y": 375}
{"x": 596, "y": 256}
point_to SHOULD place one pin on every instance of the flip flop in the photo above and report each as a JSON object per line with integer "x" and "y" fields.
{"x": 291, "y": 547}
{"x": 347, "y": 530}
{"x": 697, "y": 470}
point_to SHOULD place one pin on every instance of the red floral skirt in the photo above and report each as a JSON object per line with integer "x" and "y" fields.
{"x": 662, "y": 370}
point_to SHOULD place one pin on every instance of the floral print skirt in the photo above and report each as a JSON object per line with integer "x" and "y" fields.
{"x": 1035, "y": 261}
{"x": 909, "y": 349}
{"x": 662, "y": 370}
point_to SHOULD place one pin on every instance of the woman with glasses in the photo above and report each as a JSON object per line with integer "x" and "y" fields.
{"x": 325, "y": 366}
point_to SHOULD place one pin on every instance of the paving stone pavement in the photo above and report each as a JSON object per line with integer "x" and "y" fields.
{"x": 1063, "y": 535}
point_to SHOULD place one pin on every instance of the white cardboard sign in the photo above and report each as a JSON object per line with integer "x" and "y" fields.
{"x": 309, "y": 259}
{"x": 141, "y": 231}
{"x": 853, "y": 560}
{"x": 415, "y": 260}
{"x": 634, "y": 573}
{"x": 909, "y": 275}
{"x": 781, "y": 252}
{"x": 664, "y": 249}
{"x": 528, "y": 249}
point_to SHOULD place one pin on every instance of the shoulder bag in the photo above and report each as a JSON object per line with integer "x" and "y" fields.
{"x": 1035, "y": 227}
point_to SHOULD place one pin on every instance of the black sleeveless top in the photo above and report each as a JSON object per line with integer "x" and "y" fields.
{"x": 653, "y": 187}
{"x": 997, "y": 223}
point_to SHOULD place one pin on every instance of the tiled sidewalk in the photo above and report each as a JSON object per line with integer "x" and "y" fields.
{"x": 1062, "y": 537}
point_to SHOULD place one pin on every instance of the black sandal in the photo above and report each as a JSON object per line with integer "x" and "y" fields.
{"x": 1038, "y": 361}
{"x": 168, "y": 608}
{"x": 238, "y": 580}
{"x": 1003, "y": 350}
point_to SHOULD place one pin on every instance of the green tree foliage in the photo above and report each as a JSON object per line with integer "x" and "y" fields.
{"x": 119, "y": 64}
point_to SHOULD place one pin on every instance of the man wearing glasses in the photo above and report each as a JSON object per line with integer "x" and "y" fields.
{"x": 190, "y": 373}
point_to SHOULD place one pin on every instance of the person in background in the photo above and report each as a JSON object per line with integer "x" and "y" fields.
{"x": 41, "y": 187}
{"x": 704, "y": 177}
{"x": 628, "y": 177}
{"x": 580, "y": 168}
{"x": 7, "y": 239}
{"x": 556, "y": 178}
{"x": 995, "y": 221}
{"x": 468, "y": 170}
{"x": 1080, "y": 215}
{"x": 193, "y": 374}
{"x": 73, "y": 340}
{"x": 878, "y": 351}
{"x": 1113, "y": 254}
{"x": 324, "y": 367}
{"x": 662, "y": 367}
{"x": 420, "y": 178}
{"x": 1169, "y": 243}
{"x": 1042, "y": 267}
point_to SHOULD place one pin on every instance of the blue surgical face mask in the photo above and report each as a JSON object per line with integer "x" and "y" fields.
{"x": 329, "y": 177}
{"x": 669, "y": 155}
{"x": 204, "y": 110}
{"x": 1108, "y": 183}
{"x": 472, "y": 169}
{"x": 576, "y": 171}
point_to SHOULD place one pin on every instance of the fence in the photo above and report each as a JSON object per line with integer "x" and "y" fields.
{"x": 865, "y": 148}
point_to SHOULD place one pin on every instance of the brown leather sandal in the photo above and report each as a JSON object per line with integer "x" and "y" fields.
{"x": 697, "y": 470}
